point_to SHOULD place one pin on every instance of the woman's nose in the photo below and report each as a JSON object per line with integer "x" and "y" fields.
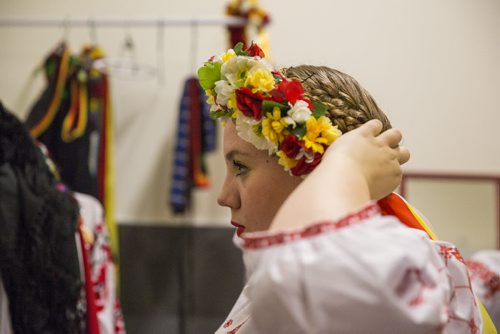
{"x": 228, "y": 195}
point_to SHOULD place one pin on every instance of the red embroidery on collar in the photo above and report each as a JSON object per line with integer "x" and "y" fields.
{"x": 235, "y": 329}
{"x": 262, "y": 241}
{"x": 228, "y": 323}
{"x": 450, "y": 251}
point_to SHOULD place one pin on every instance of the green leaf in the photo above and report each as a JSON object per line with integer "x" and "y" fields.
{"x": 299, "y": 131}
{"x": 238, "y": 49}
{"x": 257, "y": 129}
{"x": 220, "y": 113}
{"x": 50, "y": 68}
{"x": 268, "y": 106}
{"x": 319, "y": 109}
{"x": 209, "y": 74}
{"x": 277, "y": 78}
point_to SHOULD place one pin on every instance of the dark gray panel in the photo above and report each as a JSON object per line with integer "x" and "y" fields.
{"x": 150, "y": 258}
{"x": 216, "y": 273}
{"x": 178, "y": 279}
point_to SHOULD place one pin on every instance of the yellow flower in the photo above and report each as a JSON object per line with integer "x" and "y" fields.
{"x": 210, "y": 97}
{"x": 235, "y": 114}
{"x": 274, "y": 126}
{"x": 228, "y": 55}
{"x": 231, "y": 102}
{"x": 260, "y": 80}
{"x": 286, "y": 161}
{"x": 320, "y": 132}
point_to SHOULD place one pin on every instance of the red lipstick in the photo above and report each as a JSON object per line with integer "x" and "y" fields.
{"x": 239, "y": 228}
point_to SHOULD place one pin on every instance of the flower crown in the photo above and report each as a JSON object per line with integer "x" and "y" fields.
{"x": 269, "y": 110}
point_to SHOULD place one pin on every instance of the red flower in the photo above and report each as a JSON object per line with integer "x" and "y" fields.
{"x": 248, "y": 103}
{"x": 291, "y": 146}
{"x": 254, "y": 50}
{"x": 289, "y": 91}
{"x": 303, "y": 167}
{"x": 309, "y": 103}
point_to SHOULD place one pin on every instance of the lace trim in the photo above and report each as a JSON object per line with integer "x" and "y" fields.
{"x": 263, "y": 239}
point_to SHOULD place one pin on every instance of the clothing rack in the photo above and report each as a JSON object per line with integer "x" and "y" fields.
{"x": 102, "y": 21}
{"x": 94, "y": 22}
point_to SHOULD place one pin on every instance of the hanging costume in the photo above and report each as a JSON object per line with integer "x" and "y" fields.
{"x": 38, "y": 257}
{"x": 40, "y": 261}
{"x": 368, "y": 272}
{"x": 60, "y": 120}
{"x": 5, "y": 323}
{"x": 196, "y": 136}
{"x": 100, "y": 281}
{"x": 72, "y": 117}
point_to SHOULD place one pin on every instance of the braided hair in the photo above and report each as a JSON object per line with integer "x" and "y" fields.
{"x": 348, "y": 104}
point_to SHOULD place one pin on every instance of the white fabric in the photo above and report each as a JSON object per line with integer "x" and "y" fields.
{"x": 103, "y": 275}
{"x": 5, "y": 323}
{"x": 484, "y": 267}
{"x": 373, "y": 276}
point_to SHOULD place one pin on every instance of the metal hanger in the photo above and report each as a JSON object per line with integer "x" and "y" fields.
{"x": 127, "y": 66}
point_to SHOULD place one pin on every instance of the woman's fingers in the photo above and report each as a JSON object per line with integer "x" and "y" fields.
{"x": 391, "y": 137}
{"x": 373, "y": 127}
{"x": 403, "y": 155}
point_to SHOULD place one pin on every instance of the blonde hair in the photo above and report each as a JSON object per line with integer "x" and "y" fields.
{"x": 348, "y": 104}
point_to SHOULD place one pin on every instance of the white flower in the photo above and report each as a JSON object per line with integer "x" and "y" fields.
{"x": 224, "y": 91}
{"x": 215, "y": 107}
{"x": 246, "y": 129}
{"x": 223, "y": 57}
{"x": 228, "y": 55}
{"x": 298, "y": 113}
{"x": 234, "y": 70}
{"x": 308, "y": 154}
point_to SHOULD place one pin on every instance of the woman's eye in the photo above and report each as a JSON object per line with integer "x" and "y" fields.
{"x": 239, "y": 168}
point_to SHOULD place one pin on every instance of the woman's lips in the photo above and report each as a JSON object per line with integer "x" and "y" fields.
{"x": 239, "y": 228}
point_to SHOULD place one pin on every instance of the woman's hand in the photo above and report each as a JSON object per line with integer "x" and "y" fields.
{"x": 360, "y": 166}
{"x": 375, "y": 156}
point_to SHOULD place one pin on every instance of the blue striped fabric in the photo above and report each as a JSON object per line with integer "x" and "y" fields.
{"x": 182, "y": 180}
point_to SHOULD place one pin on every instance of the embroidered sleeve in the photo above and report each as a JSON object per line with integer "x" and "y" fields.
{"x": 484, "y": 269}
{"x": 362, "y": 274}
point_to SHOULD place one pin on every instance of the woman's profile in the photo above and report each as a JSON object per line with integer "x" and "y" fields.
{"x": 311, "y": 166}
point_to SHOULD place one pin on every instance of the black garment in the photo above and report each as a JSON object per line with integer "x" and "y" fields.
{"x": 38, "y": 255}
{"x": 73, "y": 158}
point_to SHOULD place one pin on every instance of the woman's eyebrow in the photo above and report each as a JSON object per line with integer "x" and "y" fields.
{"x": 230, "y": 155}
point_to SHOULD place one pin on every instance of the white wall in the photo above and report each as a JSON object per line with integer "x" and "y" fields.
{"x": 433, "y": 66}
{"x": 462, "y": 212}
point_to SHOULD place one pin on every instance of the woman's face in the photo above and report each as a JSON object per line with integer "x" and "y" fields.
{"x": 255, "y": 185}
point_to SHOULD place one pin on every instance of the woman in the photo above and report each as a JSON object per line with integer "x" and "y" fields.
{"x": 319, "y": 255}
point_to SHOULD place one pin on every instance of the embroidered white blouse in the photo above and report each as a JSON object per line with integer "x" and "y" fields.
{"x": 365, "y": 273}
{"x": 484, "y": 269}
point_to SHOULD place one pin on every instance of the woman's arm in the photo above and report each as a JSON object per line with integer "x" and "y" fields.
{"x": 360, "y": 166}
{"x": 332, "y": 264}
